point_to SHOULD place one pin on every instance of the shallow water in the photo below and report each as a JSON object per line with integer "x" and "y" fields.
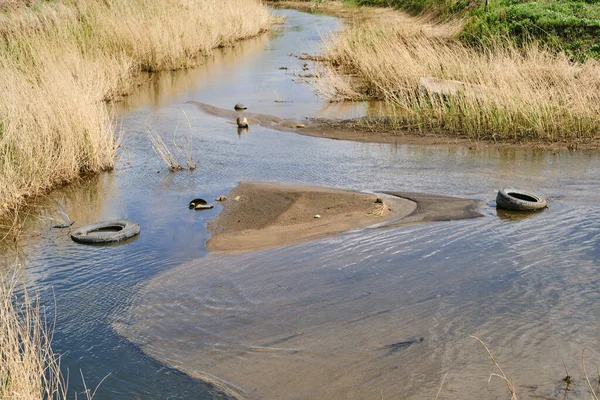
{"x": 323, "y": 319}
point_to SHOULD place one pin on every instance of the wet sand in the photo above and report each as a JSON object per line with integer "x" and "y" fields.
{"x": 268, "y": 215}
{"x": 264, "y": 215}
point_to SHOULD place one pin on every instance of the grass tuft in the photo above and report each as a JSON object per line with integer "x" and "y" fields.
{"x": 29, "y": 369}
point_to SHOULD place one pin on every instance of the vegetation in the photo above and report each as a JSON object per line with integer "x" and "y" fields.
{"x": 60, "y": 61}
{"x": 510, "y": 93}
{"x": 572, "y": 26}
{"x": 29, "y": 369}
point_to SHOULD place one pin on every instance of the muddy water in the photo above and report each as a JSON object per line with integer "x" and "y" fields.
{"x": 337, "y": 318}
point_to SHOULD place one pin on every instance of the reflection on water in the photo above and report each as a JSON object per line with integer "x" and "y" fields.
{"x": 316, "y": 320}
{"x": 515, "y": 215}
{"x": 251, "y": 73}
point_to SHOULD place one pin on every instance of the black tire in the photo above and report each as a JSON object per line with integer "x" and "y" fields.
{"x": 197, "y": 202}
{"x": 126, "y": 229}
{"x": 519, "y": 200}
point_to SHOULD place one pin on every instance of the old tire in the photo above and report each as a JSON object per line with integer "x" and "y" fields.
{"x": 123, "y": 229}
{"x": 519, "y": 200}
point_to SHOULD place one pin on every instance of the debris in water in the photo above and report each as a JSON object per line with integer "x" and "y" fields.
{"x": 401, "y": 345}
{"x": 65, "y": 225}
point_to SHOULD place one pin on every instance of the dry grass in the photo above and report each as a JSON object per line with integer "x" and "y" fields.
{"x": 528, "y": 94}
{"x": 593, "y": 394}
{"x": 163, "y": 151}
{"x": 510, "y": 384}
{"x": 60, "y": 62}
{"x": 29, "y": 369}
{"x": 170, "y": 157}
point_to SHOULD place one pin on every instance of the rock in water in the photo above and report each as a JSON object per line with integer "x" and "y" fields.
{"x": 242, "y": 122}
{"x": 240, "y": 106}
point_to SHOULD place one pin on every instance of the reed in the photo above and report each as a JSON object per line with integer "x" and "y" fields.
{"x": 510, "y": 93}
{"x": 29, "y": 368}
{"x": 61, "y": 61}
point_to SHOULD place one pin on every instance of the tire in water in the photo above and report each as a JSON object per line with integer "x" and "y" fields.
{"x": 106, "y": 232}
{"x": 519, "y": 200}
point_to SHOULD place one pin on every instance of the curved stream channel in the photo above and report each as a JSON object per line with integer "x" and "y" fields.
{"x": 371, "y": 314}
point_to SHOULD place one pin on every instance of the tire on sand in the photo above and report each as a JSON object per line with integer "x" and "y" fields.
{"x": 118, "y": 230}
{"x": 519, "y": 200}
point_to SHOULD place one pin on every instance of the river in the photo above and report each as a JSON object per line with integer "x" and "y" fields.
{"x": 383, "y": 313}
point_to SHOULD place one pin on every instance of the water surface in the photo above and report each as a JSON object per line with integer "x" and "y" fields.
{"x": 323, "y": 319}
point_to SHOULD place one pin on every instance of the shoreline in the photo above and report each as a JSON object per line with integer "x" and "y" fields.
{"x": 352, "y": 130}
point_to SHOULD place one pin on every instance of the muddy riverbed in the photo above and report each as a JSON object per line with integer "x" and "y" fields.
{"x": 369, "y": 314}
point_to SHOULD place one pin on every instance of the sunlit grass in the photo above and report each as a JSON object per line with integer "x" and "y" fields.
{"x": 529, "y": 94}
{"x": 61, "y": 61}
{"x": 29, "y": 368}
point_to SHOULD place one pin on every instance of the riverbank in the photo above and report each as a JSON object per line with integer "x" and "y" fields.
{"x": 434, "y": 82}
{"x": 379, "y": 130}
{"x": 61, "y": 62}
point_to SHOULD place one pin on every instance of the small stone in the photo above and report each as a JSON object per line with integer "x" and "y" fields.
{"x": 379, "y": 200}
{"x": 242, "y": 122}
{"x": 237, "y": 198}
{"x": 300, "y": 126}
{"x": 317, "y": 216}
{"x": 221, "y": 198}
{"x": 240, "y": 106}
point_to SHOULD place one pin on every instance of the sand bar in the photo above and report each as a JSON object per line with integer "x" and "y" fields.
{"x": 264, "y": 215}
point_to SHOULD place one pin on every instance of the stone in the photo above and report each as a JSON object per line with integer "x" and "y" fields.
{"x": 446, "y": 87}
{"x": 242, "y": 122}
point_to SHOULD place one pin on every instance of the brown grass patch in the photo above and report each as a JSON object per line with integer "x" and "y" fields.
{"x": 528, "y": 94}
{"x": 61, "y": 61}
{"x": 29, "y": 369}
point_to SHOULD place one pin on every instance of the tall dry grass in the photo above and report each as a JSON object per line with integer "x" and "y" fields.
{"x": 527, "y": 94}
{"x": 29, "y": 369}
{"x": 61, "y": 61}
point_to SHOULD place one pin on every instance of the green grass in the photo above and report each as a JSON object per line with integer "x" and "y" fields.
{"x": 569, "y": 26}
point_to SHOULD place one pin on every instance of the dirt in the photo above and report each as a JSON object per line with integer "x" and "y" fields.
{"x": 265, "y": 215}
